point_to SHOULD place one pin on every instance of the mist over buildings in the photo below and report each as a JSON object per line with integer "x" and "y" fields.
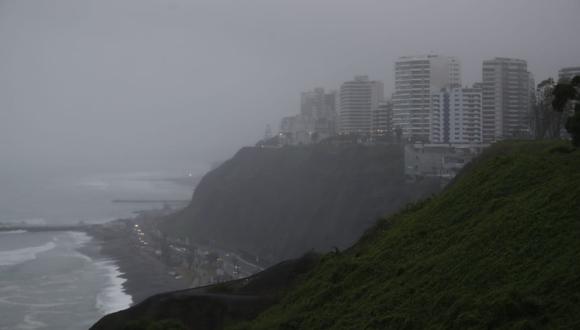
{"x": 165, "y": 83}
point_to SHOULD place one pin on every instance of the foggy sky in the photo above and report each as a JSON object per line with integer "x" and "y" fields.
{"x": 155, "y": 83}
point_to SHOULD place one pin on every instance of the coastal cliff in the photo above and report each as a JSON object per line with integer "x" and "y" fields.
{"x": 278, "y": 203}
{"x": 498, "y": 248}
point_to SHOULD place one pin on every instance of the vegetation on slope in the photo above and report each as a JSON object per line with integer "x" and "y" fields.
{"x": 500, "y": 248}
{"x": 566, "y": 97}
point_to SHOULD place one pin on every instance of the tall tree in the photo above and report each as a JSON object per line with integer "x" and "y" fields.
{"x": 546, "y": 122}
{"x": 566, "y": 98}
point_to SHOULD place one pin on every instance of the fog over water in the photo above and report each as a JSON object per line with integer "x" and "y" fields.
{"x": 149, "y": 84}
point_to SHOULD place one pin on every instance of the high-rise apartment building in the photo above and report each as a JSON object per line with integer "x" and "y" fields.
{"x": 416, "y": 77}
{"x": 568, "y": 73}
{"x": 316, "y": 120}
{"x": 319, "y": 109}
{"x": 382, "y": 119}
{"x": 358, "y": 99}
{"x": 506, "y": 99}
{"x": 317, "y": 103}
{"x": 456, "y": 116}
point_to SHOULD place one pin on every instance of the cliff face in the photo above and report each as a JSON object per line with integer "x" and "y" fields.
{"x": 280, "y": 203}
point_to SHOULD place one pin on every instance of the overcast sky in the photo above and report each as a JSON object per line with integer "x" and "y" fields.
{"x": 160, "y": 82}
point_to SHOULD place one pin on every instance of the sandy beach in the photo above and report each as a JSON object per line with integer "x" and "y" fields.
{"x": 144, "y": 272}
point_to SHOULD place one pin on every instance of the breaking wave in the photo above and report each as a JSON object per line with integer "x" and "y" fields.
{"x": 14, "y": 257}
{"x": 113, "y": 297}
{"x": 10, "y": 232}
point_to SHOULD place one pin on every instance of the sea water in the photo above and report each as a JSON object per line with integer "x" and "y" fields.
{"x": 46, "y": 283}
{"x": 46, "y": 280}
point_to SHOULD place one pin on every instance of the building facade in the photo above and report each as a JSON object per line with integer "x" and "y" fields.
{"x": 319, "y": 109}
{"x": 505, "y": 99}
{"x": 359, "y": 98}
{"x": 416, "y": 77}
{"x": 382, "y": 120}
{"x": 436, "y": 160}
{"x": 295, "y": 130}
{"x": 316, "y": 120}
{"x": 456, "y": 116}
{"x": 568, "y": 73}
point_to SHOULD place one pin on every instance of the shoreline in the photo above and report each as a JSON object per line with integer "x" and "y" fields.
{"x": 151, "y": 263}
{"x": 144, "y": 274}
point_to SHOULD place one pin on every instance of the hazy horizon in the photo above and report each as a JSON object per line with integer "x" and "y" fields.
{"x": 161, "y": 84}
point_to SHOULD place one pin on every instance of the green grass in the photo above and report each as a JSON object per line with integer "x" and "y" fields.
{"x": 500, "y": 248}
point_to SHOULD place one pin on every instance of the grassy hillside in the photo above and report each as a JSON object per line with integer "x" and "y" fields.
{"x": 500, "y": 248}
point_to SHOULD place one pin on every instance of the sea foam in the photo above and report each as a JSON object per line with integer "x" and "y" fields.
{"x": 14, "y": 257}
{"x": 113, "y": 297}
{"x": 11, "y": 232}
{"x": 29, "y": 323}
{"x": 79, "y": 238}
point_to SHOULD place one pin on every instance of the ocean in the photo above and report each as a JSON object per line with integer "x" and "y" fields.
{"x": 57, "y": 280}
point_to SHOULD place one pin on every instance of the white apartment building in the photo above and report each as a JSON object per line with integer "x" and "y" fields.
{"x": 506, "y": 99}
{"x": 456, "y": 116}
{"x": 358, "y": 100}
{"x": 416, "y": 78}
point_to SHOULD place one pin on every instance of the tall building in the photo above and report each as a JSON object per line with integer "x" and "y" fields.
{"x": 319, "y": 110}
{"x": 295, "y": 130}
{"x": 358, "y": 99}
{"x": 316, "y": 120}
{"x": 506, "y": 99}
{"x": 382, "y": 119}
{"x": 456, "y": 116}
{"x": 416, "y": 77}
{"x": 317, "y": 103}
{"x": 568, "y": 73}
